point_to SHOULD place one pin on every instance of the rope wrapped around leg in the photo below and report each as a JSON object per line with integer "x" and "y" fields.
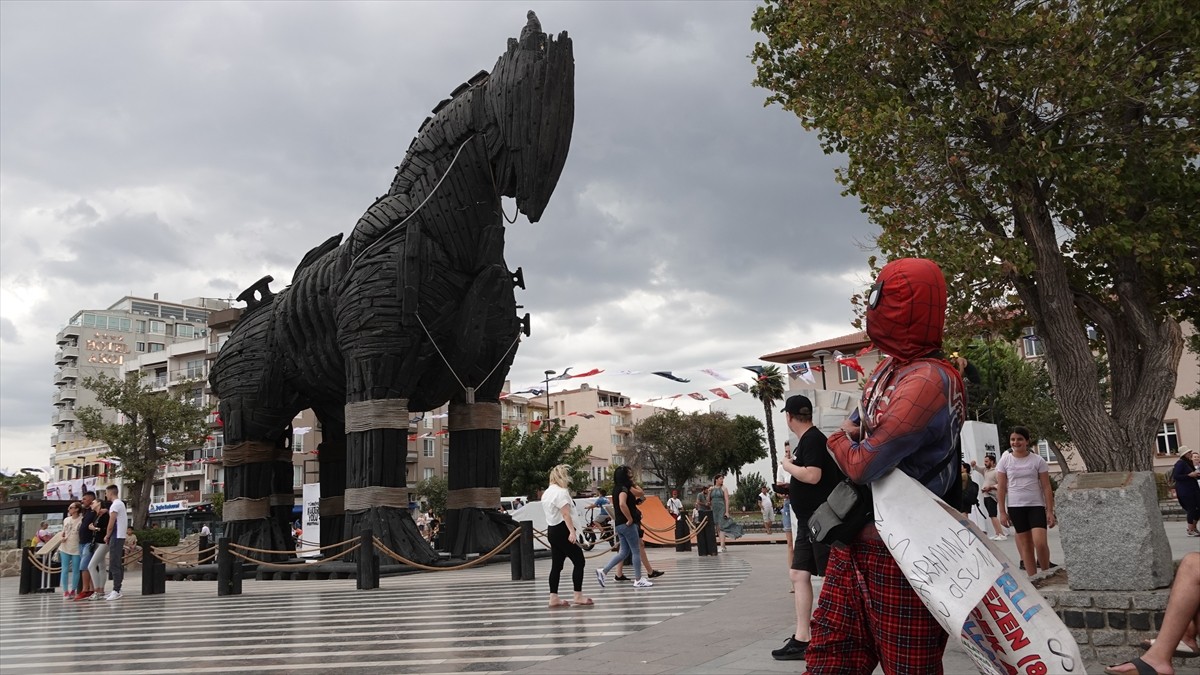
{"x": 360, "y": 499}
{"x": 480, "y": 498}
{"x": 380, "y": 413}
{"x": 245, "y": 508}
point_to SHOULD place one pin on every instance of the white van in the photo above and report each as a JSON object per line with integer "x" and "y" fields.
{"x": 509, "y": 504}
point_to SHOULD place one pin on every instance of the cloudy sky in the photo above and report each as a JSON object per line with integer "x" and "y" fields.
{"x": 190, "y": 148}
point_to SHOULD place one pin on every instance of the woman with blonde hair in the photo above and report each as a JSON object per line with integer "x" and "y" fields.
{"x": 69, "y": 551}
{"x": 563, "y": 535}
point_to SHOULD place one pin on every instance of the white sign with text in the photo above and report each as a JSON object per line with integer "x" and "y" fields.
{"x": 972, "y": 589}
{"x": 310, "y": 523}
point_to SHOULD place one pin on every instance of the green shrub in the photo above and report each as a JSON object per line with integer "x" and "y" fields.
{"x": 158, "y": 536}
{"x": 1164, "y": 490}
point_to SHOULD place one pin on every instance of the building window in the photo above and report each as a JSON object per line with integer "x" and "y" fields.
{"x": 1043, "y": 449}
{"x": 427, "y": 473}
{"x": 184, "y": 330}
{"x": 141, "y": 346}
{"x": 191, "y": 485}
{"x": 1168, "y": 438}
{"x": 426, "y": 421}
{"x": 427, "y": 447}
{"x": 141, "y": 326}
{"x": 297, "y": 442}
{"x": 1032, "y": 343}
{"x": 446, "y": 457}
{"x": 846, "y": 374}
{"x": 157, "y": 346}
{"x": 195, "y": 368}
{"x": 158, "y": 327}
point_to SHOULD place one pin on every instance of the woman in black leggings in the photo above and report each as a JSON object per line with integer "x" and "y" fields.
{"x": 563, "y": 535}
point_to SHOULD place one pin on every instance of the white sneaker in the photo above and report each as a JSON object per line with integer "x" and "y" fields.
{"x": 602, "y": 579}
{"x": 115, "y": 595}
{"x": 98, "y": 595}
{"x": 1002, "y": 537}
{"x": 994, "y": 537}
{"x": 724, "y": 550}
{"x": 643, "y": 583}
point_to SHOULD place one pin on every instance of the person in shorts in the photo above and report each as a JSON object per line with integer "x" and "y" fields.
{"x": 814, "y": 475}
{"x": 1026, "y": 500}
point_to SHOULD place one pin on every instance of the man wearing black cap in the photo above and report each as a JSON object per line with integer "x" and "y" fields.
{"x": 814, "y": 475}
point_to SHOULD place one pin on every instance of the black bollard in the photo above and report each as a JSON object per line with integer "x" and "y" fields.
{"x": 514, "y": 558}
{"x": 229, "y": 570}
{"x": 30, "y": 575}
{"x": 684, "y": 542}
{"x": 526, "y": 550}
{"x": 368, "y": 562}
{"x": 154, "y": 573}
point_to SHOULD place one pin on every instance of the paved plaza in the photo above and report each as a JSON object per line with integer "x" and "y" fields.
{"x": 719, "y": 615}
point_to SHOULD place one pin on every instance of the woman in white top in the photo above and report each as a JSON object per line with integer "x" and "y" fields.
{"x": 68, "y": 552}
{"x": 1026, "y": 501}
{"x": 563, "y": 535}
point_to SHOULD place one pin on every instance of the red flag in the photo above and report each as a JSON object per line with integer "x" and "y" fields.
{"x": 412, "y": 437}
{"x": 603, "y": 412}
{"x": 698, "y": 396}
{"x": 535, "y": 424}
{"x": 719, "y": 392}
{"x": 849, "y": 362}
{"x": 865, "y": 350}
{"x": 593, "y": 371}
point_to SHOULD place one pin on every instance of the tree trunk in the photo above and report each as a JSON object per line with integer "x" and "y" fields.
{"x": 771, "y": 439}
{"x": 139, "y": 502}
{"x": 1144, "y": 350}
{"x": 1063, "y": 466}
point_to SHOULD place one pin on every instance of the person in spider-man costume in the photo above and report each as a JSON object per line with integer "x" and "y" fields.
{"x": 913, "y": 407}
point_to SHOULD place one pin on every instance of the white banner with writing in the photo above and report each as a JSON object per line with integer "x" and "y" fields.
{"x": 970, "y": 586}
{"x": 310, "y": 523}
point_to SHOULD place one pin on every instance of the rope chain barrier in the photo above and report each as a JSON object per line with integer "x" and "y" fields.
{"x": 292, "y": 567}
{"x": 429, "y": 568}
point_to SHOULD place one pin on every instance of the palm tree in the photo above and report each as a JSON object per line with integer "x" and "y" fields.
{"x": 769, "y": 389}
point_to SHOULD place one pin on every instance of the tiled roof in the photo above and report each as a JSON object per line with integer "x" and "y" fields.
{"x": 845, "y": 343}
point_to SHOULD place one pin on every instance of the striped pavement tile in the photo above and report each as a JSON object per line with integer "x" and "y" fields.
{"x": 476, "y": 620}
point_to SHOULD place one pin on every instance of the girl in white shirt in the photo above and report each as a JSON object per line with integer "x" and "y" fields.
{"x": 68, "y": 552}
{"x": 1026, "y": 501}
{"x": 563, "y": 535}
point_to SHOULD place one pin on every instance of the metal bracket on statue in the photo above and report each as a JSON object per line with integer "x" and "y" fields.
{"x": 470, "y": 394}
{"x": 525, "y": 326}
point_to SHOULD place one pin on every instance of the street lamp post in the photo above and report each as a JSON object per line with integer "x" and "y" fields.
{"x": 821, "y": 354}
{"x": 547, "y": 420}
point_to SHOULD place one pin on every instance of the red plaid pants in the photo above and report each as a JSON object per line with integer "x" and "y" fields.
{"x": 869, "y": 614}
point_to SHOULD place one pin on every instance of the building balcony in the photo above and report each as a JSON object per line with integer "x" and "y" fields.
{"x": 66, "y": 375}
{"x": 64, "y": 416}
{"x": 188, "y": 374}
{"x": 67, "y": 355}
{"x": 68, "y": 335}
{"x": 66, "y": 437}
{"x": 68, "y": 394}
{"x": 158, "y": 383}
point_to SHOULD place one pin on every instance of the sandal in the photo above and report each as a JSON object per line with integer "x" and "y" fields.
{"x": 585, "y": 602}
{"x": 1182, "y": 651}
{"x": 1140, "y": 667}
{"x": 560, "y": 603}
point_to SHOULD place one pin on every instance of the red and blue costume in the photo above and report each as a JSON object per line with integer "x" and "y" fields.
{"x": 913, "y": 408}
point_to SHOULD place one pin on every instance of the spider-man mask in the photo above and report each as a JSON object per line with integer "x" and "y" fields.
{"x": 906, "y": 309}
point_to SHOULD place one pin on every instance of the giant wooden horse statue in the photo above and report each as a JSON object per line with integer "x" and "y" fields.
{"x": 415, "y": 309}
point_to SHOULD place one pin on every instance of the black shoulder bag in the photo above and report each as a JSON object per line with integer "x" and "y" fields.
{"x": 850, "y": 507}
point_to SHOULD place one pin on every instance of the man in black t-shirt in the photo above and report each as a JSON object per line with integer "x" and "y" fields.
{"x": 814, "y": 475}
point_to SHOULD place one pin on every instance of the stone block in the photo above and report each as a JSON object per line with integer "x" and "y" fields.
{"x": 1108, "y": 638}
{"x": 1112, "y": 600}
{"x": 1115, "y": 654}
{"x": 1093, "y": 619}
{"x": 1117, "y": 620}
{"x": 1158, "y": 618}
{"x": 1076, "y": 599}
{"x": 1073, "y": 618}
{"x": 1080, "y": 636}
{"x": 1140, "y": 621}
{"x": 1150, "y": 600}
{"x": 1112, "y": 532}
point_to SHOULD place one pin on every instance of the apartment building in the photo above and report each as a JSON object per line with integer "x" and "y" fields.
{"x": 105, "y": 341}
{"x": 604, "y": 419}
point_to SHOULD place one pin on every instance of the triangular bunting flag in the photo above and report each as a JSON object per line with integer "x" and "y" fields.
{"x": 719, "y": 392}
{"x": 670, "y": 376}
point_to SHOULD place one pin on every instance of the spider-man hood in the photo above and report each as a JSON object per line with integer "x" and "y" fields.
{"x": 909, "y": 314}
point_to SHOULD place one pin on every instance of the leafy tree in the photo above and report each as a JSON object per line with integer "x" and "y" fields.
{"x": 217, "y": 499}
{"x": 526, "y": 459}
{"x": 769, "y": 390}
{"x": 748, "y": 489}
{"x": 19, "y": 483}
{"x": 1026, "y": 399}
{"x": 745, "y": 446}
{"x": 434, "y": 489}
{"x": 1047, "y": 148}
{"x": 675, "y": 447}
{"x": 152, "y": 429}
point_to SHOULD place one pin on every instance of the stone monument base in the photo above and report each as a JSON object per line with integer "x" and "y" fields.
{"x": 1112, "y": 532}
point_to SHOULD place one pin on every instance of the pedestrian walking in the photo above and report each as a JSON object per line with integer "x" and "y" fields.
{"x": 768, "y": 508}
{"x": 118, "y": 527}
{"x": 706, "y": 537}
{"x": 1026, "y": 500}
{"x": 988, "y": 489}
{"x": 87, "y": 544}
{"x": 95, "y": 576}
{"x": 970, "y": 491}
{"x": 563, "y": 533}
{"x": 628, "y": 519}
{"x": 726, "y": 526}
{"x": 674, "y": 505}
{"x": 1187, "y": 488}
{"x": 68, "y": 551}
